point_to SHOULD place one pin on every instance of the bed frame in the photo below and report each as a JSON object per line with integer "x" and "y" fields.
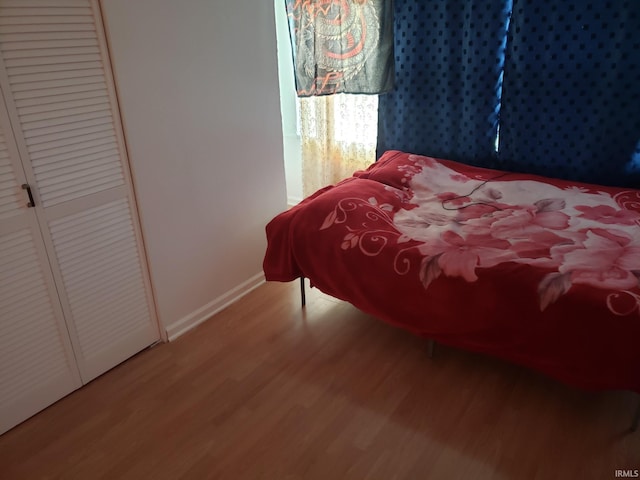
{"x": 635, "y": 421}
{"x": 489, "y": 225}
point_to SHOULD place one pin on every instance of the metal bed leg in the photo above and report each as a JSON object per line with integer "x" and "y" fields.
{"x": 636, "y": 418}
{"x": 303, "y": 296}
{"x": 431, "y": 345}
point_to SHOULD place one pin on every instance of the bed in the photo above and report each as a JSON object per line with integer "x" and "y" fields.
{"x": 540, "y": 272}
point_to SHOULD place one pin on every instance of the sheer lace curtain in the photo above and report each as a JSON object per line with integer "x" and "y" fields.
{"x": 338, "y": 136}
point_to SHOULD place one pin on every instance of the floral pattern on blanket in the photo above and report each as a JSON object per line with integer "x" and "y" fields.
{"x": 461, "y": 224}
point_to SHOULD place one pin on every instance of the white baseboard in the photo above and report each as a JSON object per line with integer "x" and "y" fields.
{"x": 195, "y": 318}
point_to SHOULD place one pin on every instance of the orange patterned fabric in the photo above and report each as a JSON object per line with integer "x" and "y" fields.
{"x": 341, "y": 46}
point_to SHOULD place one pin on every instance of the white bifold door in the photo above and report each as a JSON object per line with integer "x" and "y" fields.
{"x": 75, "y": 298}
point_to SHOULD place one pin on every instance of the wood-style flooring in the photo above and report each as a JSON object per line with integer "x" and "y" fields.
{"x": 266, "y": 390}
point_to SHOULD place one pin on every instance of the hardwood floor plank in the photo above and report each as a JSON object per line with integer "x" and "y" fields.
{"x": 268, "y": 390}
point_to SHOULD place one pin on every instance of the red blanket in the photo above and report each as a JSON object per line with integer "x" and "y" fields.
{"x": 541, "y": 272}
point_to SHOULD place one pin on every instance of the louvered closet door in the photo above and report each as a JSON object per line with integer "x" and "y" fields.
{"x": 37, "y": 366}
{"x": 59, "y": 94}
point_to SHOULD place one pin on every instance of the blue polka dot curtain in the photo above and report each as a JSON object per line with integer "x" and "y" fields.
{"x": 557, "y": 82}
{"x": 448, "y": 59}
{"x": 571, "y": 95}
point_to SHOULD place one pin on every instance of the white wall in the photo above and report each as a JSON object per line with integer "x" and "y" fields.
{"x": 291, "y": 140}
{"x": 198, "y": 90}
